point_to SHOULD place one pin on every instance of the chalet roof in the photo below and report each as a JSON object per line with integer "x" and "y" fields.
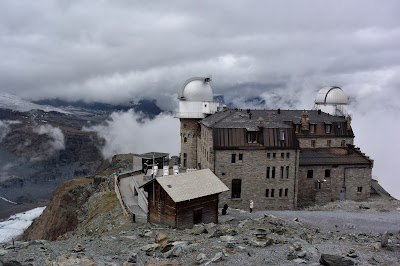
{"x": 192, "y": 185}
{"x": 332, "y": 156}
{"x": 240, "y": 118}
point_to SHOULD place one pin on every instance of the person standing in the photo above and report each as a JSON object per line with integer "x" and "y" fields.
{"x": 251, "y": 206}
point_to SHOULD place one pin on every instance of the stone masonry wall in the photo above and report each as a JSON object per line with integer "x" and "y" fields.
{"x": 205, "y": 154}
{"x": 350, "y": 177}
{"x": 322, "y": 142}
{"x": 252, "y": 171}
{"x": 189, "y": 142}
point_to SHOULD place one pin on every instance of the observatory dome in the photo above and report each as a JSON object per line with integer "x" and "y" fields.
{"x": 197, "y": 90}
{"x": 331, "y": 95}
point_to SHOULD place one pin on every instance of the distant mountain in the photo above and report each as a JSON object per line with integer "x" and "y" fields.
{"x": 13, "y": 102}
{"x": 147, "y": 107}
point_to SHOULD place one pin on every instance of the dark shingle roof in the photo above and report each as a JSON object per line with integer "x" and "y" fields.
{"x": 329, "y": 156}
{"x": 240, "y": 118}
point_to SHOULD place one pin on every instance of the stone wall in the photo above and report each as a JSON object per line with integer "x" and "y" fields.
{"x": 350, "y": 177}
{"x": 322, "y": 142}
{"x": 252, "y": 171}
{"x": 189, "y": 129}
{"x": 205, "y": 154}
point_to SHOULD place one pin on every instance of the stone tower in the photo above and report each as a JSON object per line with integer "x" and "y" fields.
{"x": 195, "y": 103}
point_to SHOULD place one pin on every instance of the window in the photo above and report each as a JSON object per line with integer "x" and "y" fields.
{"x": 287, "y": 155}
{"x": 343, "y": 143}
{"x": 233, "y": 160}
{"x": 272, "y": 193}
{"x": 328, "y": 143}
{"x": 312, "y": 128}
{"x": 287, "y": 171}
{"x": 297, "y": 129}
{"x": 273, "y": 172}
{"x": 236, "y": 188}
{"x": 274, "y": 155}
{"x": 184, "y": 125}
{"x": 268, "y": 168}
{"x": 240, "y": 157}
{"x": 282, "y": 155}
{"x": 268, "y": 155}
{"x": 359, "y": 189}
{"x": 184, "y": 159}
{"x": 185, "y": 139}
{"x": 281, "y": 171}
{"x": 327, "y": 173}
{"x": 286, "y": 192}
{"x": 252, "y": 137}
{"x": 310, "y": 174}
{"x": 282, "y": 135}
{"x": 328, "y": 129}
{"x": 280, "y": 193}
{"x": 267, "y": 193}
{"x": 313, "y": 143}
{"x": 319, "y": 185}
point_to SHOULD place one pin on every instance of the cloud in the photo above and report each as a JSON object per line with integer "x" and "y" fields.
{"x": 57, "y": 141}
{"x": 5, "y": 127}
{"x": 128, "y": 132}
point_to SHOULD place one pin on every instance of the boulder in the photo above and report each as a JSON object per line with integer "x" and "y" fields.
{"x": 201, "y": 258}
{"x": 149, "y": 247}
{"x": 335, "y": 260}
{"x": 160, "y": 237}
{"x": 218, "y": 257}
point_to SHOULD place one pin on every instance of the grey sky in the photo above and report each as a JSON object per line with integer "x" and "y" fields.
{"x": 282, "y": 51}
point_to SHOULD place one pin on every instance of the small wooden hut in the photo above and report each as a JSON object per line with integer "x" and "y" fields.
{"x": 185, "y": 199}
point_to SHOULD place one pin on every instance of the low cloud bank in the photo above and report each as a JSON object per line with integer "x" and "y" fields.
{"x": 58, "y": 140}
{"x": 128, "y": 132}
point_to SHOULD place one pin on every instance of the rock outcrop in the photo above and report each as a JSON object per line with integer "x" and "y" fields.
{"x": 61, "y": 215}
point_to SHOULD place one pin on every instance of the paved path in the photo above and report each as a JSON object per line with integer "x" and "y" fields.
{"x": 127, "y": 193}
{"x": 343, "y": 221}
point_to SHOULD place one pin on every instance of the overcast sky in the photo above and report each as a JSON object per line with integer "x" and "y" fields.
{"x": 281, "y": 51}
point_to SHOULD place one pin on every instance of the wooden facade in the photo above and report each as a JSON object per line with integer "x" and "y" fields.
{"x": 163, "y": 210}
{"x": 238, "y": 138}
{"x": 337, "y": 129}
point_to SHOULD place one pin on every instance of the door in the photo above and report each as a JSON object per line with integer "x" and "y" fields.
{"x": 197, "y": 216}
{"x": 343, "y": 193}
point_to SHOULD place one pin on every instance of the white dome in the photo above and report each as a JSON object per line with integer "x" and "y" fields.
{"x": 331, "y": 95}
{"x": 197, "y": 90}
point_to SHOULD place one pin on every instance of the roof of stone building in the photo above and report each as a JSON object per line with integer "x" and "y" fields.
{"x": 149, "y": 155}
{"x": 191, "y": 185}
{"x": 332, "y": 156}
{"x": 240, "y": 118}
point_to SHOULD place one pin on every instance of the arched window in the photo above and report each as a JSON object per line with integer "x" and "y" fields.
{"x": 185, "y": 139}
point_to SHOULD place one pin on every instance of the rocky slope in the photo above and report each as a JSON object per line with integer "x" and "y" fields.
{"x": 241, "y": 238}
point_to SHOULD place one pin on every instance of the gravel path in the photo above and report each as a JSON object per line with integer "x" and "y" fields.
{"x": 343, "y": 221}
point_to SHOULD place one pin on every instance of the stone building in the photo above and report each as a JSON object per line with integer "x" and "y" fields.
{"x": 280, "y": 159}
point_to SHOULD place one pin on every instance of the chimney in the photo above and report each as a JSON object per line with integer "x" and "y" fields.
{"x": 250, "y": 115}
{"x": 260, "y": 122}
{"x": 305, "y": 121}
{"x": 279, "y": 111}
{"x": 224, "y": 108}
{"x": 319, "y": 111}
{"x": 248, "y": 111}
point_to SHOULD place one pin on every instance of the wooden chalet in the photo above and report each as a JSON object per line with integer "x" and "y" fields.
{"x": 185, "y": 199}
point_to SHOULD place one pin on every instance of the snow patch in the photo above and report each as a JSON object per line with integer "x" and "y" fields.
{"x": 16, "y": 224}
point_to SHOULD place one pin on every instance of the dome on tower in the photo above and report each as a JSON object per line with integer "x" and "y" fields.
{"x": 197, "y": 90}
{"x": 331, "y": 95}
